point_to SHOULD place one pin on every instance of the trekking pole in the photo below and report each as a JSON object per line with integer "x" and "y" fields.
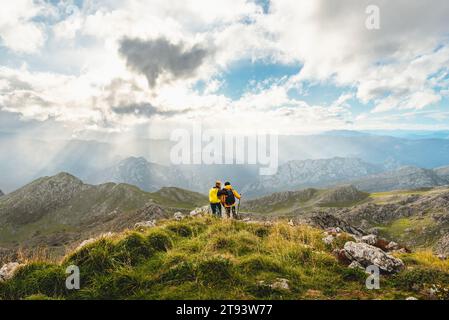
{"x": 238, "y": 210}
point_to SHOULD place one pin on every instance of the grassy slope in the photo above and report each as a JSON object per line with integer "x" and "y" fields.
{"x": 409, "y": 230}
{"x": 207, "y": 258}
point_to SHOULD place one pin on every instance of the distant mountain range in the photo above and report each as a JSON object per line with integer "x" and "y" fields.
{"x": 404, "y": 178}
{"x": 30, "y": 158}
{"x": 292, "y": 175}
{"x": 312, "y": 173}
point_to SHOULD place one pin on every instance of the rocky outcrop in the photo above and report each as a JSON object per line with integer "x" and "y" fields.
{"x": 278, "y": 284}
{"x": 370, "y": 239}
{"x": 367, "y": 255}
{"x": 326, "y": 220}
{"x": 200, "y": 211}
{"x": 178, "y": 216}
{"x": 442, "y": 247}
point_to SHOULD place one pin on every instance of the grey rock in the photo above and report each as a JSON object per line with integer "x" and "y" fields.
{"x": 442, "y": 247}
{"x": 374, "y": 231}
{"x": 326, "y": 220}
{"x": 280, "y": 284}
{"x": 368, "y": 255}
{"x": 200, "y": 211}
{"x": 356, "y": 265}
{"x": 178, "y": 216}
{"x": 328, "y": 239}
{"x": 370, "y": 239}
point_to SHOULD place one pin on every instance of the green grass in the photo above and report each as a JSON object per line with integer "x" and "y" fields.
{"x": 411, "y": 231}
{"x": 207, "y": 258}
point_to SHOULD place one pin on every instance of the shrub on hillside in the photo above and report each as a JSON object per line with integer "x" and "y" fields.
{"x": 215, "y": 270}
{"x": 132, "y": 249}
{"x": 181, "y": 229}
{"x": 95, "y": 258}
{"x": 159, "y": 240}
{"x": 35, "y": 279}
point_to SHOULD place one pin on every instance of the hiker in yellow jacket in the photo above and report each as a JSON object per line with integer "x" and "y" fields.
{"x": 228, "y": 200}
{"x": 214, "y": 199}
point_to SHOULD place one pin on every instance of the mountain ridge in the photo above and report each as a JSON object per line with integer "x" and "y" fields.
{"x": 61, "y": 209}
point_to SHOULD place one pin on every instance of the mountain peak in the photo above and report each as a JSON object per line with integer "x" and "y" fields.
{"x": 64, "y": 176}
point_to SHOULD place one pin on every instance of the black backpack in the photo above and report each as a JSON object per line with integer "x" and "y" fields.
{"x": 230, "y": 198}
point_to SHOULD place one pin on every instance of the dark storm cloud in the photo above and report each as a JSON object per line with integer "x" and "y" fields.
{"x": 145, "y": 110}
{"x": 159, "y": 57}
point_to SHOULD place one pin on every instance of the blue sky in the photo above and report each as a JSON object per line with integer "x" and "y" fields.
{"x": 295, "y": 66}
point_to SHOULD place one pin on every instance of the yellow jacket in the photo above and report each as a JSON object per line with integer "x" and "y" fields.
{"x": 223, "y": 197}
{"x": 213, "y": 195}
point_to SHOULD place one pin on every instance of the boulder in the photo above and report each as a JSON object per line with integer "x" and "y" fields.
{"x": 370, "y": 239}
{"x": 367, "y": 255}
{"x": 179, "y": 216}
{"x": 280, "y": 284}
{"x": 356, "y": 265}
{"x": 200, "y": 211}
{"x": 8, "y": 271}
{"x": 329, "y": 239}
{"x": 442, "y": 247}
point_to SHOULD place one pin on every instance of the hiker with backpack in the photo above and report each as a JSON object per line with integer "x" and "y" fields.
{"x": 228, "y": 199}
{"x": 215, "y": 194}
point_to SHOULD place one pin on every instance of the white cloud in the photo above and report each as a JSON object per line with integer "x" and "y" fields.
{"x": 331, "y": 40}
{"x": 18, "y": 31}
{"x": 401, "y": 66}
